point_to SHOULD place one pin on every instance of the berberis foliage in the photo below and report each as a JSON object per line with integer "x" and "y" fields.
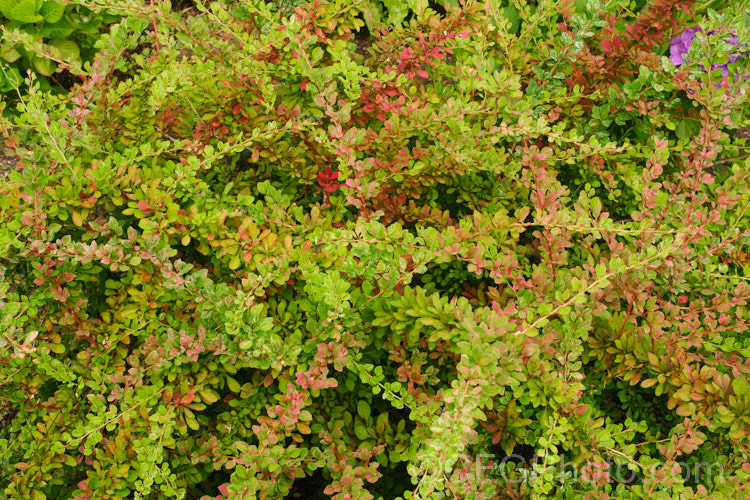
{"x": 331, "y": 250}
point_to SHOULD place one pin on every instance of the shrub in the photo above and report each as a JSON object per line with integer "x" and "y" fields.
{"x": 37, "y": 35}
{"x": 243, "y": 260}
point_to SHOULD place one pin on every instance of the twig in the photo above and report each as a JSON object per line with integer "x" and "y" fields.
{"x": 729, "y": 160}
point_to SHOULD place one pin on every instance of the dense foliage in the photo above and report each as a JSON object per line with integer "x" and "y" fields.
{"x": 37, "y": 34}
{"x": 285, "y": 250}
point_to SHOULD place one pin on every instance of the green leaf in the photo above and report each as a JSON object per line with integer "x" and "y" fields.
{"x": 544, "y": 309}
{"x": 11, "y": 76}
{"x": 363, "y": 409}
{"x": 190, "y": 419}
{"x": 687, "y": 129}
{"x": 412, "y": 338}
{"x": 235, "y": 262}
{"x": 381, "y": 423}
{"x": 398, "y": 10}
{"x": 361, "y": 431}
{"x": 20, "y": 10}
{"x": 62, "y": 29}
{"x": 68, "y": 49}
{"x": 77, "y": 219}
{"x": 512, "y": 14}
{"x": 57, "y": 348}
{"x": 601, "y": 270}
{"x": 208, "y": 395}
{"x": 52, "y": 11}
{"x": 740, "y": 386}
{"x": 233, "y": 385}
{"x": 9, "y": 53}
{"x": 43, "y": 66}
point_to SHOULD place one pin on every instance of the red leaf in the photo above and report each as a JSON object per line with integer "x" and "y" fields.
{"x": 143, "y": 205}
{"x": 236, "y": 109}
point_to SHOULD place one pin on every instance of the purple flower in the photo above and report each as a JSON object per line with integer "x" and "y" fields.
{"x": 680, "y": 45}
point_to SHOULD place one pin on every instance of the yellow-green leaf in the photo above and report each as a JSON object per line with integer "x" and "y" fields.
{"x": 233, "y": 385}
{"x": 235, "y": 262}
{"x": 77, "y": 219}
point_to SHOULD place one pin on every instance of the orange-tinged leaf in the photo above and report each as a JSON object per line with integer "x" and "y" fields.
{"x": 167, "y": 394}
{"x": 648, "y": 383}
{"x": 208, "y": 396}
{"x": 684, "y": 410}
{"x": 77, "y": 219}
{"x": 303, "y": 428}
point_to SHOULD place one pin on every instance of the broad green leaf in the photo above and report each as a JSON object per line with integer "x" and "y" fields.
{"x": 68, "y": 49}
{"x": 10, "y": 76}
{"x": 9, "y": 53}
{"x": 24, "y": 11}
{"x": 398, "y": 10}
{"x": 687, "y": 129}
{"x": 512, "y": 14}
{"x": 44, "y": 66}
{"x": 62, "y": 29}
{"x": 52, "y": 11}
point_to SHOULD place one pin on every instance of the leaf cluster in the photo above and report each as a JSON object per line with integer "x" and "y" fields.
{"x": 502, "y": 253}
